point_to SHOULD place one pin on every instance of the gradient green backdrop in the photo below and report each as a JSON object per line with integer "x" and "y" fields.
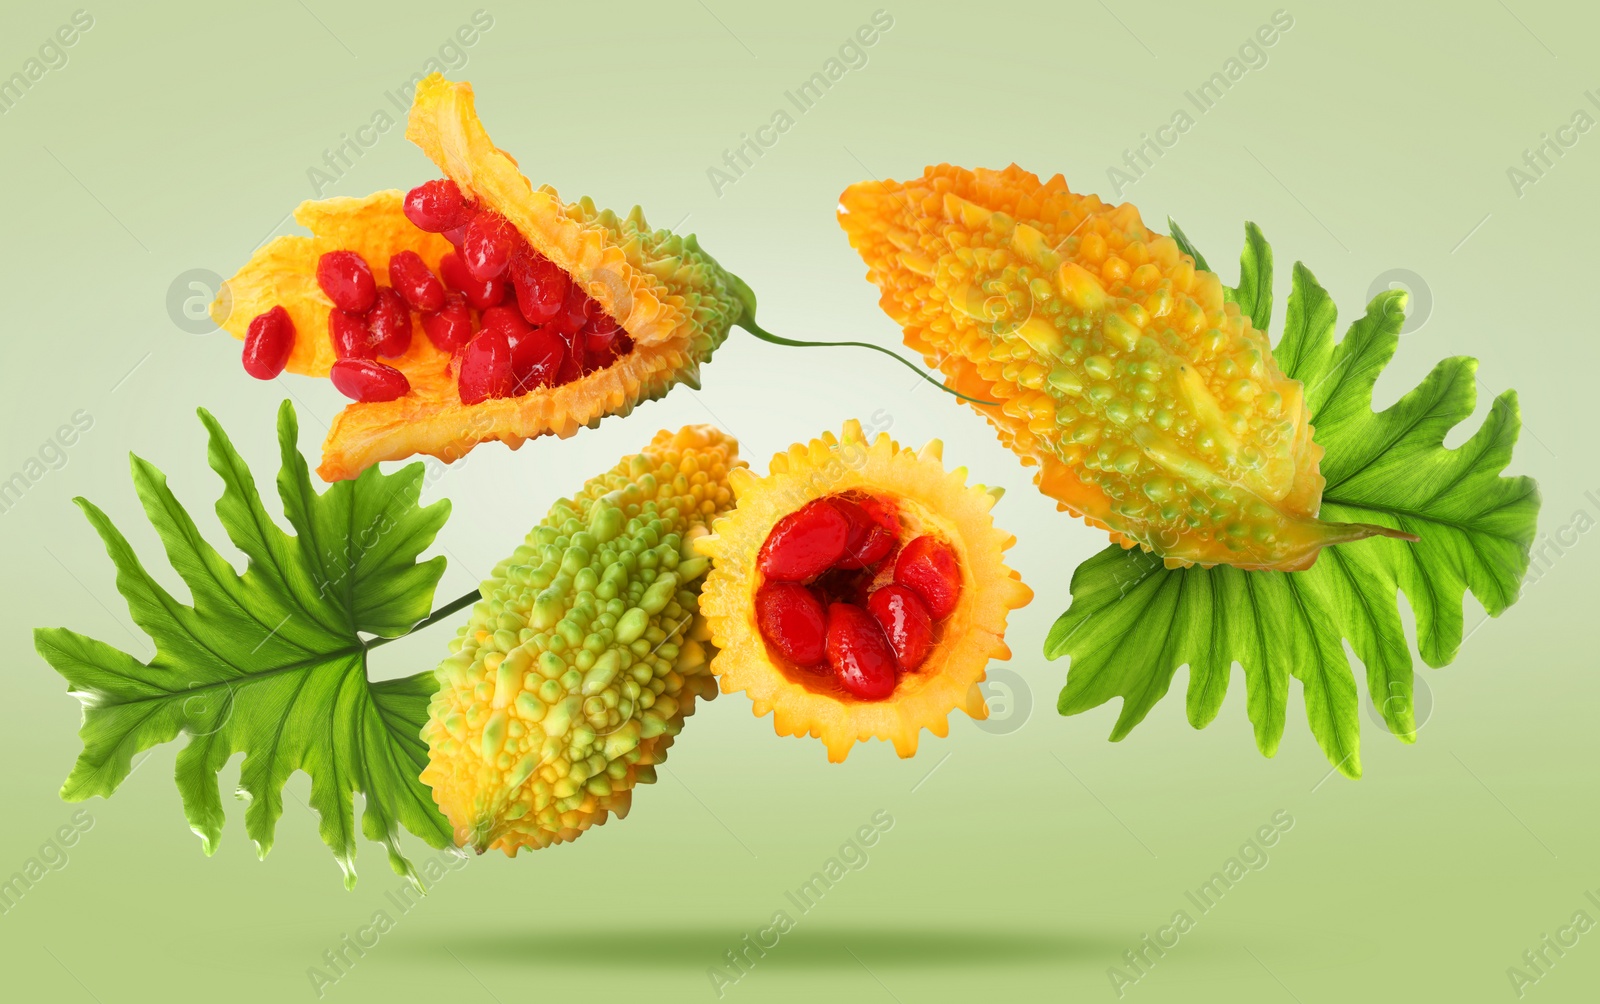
{"x": 1023, "y": 860}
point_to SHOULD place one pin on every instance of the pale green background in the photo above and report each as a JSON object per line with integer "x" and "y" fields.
{"x": 1377, "y": 137}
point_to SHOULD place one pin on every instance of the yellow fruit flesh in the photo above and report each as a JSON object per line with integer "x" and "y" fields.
{"x": 1152, "y": 407}
{"x": 585, "y": 654}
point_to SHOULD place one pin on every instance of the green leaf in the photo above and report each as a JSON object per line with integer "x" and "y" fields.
{"x": 1254, "y": 292}
{"x": 270, "y": 663}
{"x": 1132, "y": 622}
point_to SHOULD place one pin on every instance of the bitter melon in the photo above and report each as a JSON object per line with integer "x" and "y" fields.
{"x": 585, "y": 654}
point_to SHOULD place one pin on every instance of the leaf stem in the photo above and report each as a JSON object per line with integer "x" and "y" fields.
{"x": 433, "y": 618}
{"x": 748, "y": 323}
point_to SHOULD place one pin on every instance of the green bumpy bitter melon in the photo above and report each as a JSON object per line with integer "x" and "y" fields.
{"x": 584, "y": 655}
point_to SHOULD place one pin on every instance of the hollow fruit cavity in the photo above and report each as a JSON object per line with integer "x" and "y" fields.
{"x": 511, "y": 320}
{"x": 852, "y": 598}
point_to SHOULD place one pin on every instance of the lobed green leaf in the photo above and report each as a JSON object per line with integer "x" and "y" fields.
{"x": 270, "y": 663}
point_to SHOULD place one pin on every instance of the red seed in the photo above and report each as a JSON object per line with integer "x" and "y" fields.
{"x": 596, "y": 320}
{"x": 437, "y": 206}
{"x": 365, "y": 380}
{"x": 507, "y": 320}
{"x": 485, "y": 367}
{"x": 409, "y": 274}
{"x": 540, "y": 285}
{"x": 351, "y": 337}
{"x": 389, "y": 324}
{"x": 859, "y": 654}
{"x": 572, "y": 358}
{"x": 573, "y": 314}
{"x": 929, "y": 567}
{"x": 449, "y": 327}
{"x": 791, "y": 619}
{"x": 268, "y": 343}
{"x": 487, "y": 245}
{"x": 480, "y": 293}
{"x": 601, "y": 350}
{"x": 905, "y": 622}
{"x": 805, "y": 543}
{"x": 536, "y": 357}
{"x": 869, "y": 542}
{"x": 455, "y": 235}
{"x": 347, "y": 279}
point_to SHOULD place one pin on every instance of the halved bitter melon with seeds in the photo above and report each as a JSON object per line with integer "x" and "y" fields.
{"x": 1101, "y": 353}
{"x": 858, "y": 591}
{"x": 584, "y": 655}
{"x": 537, "y": 317}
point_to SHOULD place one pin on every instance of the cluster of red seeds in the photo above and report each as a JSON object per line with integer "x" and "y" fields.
{"x": 842, "y": 595}
{"x": 512, "y": 319}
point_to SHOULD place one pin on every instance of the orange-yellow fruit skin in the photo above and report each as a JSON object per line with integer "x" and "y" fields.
{"x": 929, "y": 499}
{"x": 1151, "y": 406}
{"x": 586, "y": 653}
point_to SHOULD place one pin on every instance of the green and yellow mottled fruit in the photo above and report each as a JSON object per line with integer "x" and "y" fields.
{"x": 585, "y": 654}
{"x": 1103, "y": 355}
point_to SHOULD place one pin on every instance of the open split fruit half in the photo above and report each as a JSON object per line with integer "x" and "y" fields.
{"x": 859, "y": 590}
{"x": 475, "y": 307}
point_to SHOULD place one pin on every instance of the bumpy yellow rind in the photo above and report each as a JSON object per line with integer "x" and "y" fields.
{"x": 586, "y": 653}
{"x": 932, "y": 499}
{"x": 1151, "y": 405}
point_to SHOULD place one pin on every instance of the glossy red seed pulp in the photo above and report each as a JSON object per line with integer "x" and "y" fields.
{"x": 547, "y": 331}
{"x": 485, "y": 367}
{"x": 365, "y": 380}
{"x": 410, "y": 275}
{"x": 883, "y": 602}
{"x": 859, "y": 654}
{"x": 347, "y": 280}
{"x": 437, "y": 206}
{"x": 790, "y": 616}
{"x": 268, "y": 343}
{"x": 929, "y": 567}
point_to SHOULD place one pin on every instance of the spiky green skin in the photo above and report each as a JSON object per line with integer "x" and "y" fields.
{"x": 584, "y": 656}
{"x": 713, "y": 298}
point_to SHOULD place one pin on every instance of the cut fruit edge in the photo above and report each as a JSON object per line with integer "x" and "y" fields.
{"x": 587, "y": 245}
{"x": 972, "y": 635}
